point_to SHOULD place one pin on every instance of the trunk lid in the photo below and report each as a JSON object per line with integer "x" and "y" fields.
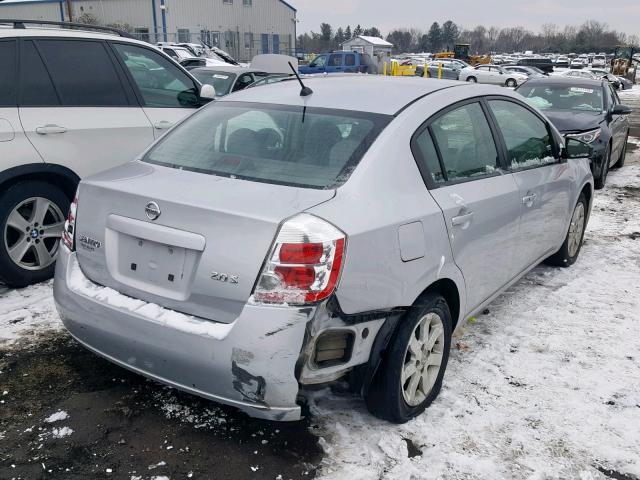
{"x": 202, "y": 254}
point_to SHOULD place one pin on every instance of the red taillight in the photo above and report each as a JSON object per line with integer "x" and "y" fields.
{"x": 297, "y": 277}
{"x": 304, "y": 264}
{"x": 68, "y": 234}
{"x": 307, "y": 253}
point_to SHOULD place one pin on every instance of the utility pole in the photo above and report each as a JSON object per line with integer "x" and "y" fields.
{"x": 69, "y": 10}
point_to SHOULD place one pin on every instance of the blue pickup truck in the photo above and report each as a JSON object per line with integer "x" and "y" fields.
{"x": 335, "y": 62}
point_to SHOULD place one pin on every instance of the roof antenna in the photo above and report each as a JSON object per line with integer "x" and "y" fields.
{"x": 306, "y": 91}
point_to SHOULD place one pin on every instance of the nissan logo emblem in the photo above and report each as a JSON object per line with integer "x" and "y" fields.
{"x": 152, "y": 210}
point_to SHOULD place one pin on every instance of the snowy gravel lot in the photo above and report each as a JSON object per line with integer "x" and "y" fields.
{"x": 544, "y": 384}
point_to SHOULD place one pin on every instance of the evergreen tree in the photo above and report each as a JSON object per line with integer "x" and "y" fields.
{"x": 434, "y": 38}
{"x": 347, "y": 33}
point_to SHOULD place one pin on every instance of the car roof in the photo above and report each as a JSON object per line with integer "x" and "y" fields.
{"x": 7, "y": 31}
{"x": 358, "y": 92}
{"x": 570, "y": 81}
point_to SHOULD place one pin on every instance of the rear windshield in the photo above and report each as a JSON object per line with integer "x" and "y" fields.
{"x": 305, "y": 147}
{"x": 563, "y": 97}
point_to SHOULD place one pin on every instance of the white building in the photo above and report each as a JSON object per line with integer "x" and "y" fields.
{"x": 242, "y": 27}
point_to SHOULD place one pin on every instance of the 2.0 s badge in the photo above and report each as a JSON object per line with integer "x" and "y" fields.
{"x": 224, "y": 277}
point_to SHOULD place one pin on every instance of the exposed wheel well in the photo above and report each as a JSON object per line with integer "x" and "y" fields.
{"x": 588, "y": 194}
{"x": 65, "y": 182}
{"x": 448, "y": 289}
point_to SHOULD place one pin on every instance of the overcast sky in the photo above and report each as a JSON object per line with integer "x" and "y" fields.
{"x": 623, "y": 15}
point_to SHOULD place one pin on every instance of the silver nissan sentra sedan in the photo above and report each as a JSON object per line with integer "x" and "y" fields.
{"x": 275, "y": 240}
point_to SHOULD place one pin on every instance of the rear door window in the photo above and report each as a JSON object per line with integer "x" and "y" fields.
{"x": 350, "y": 60}
{"x": 465, "y": 143}
{"x": 429, "y": 156}
{"x": 526, "y": 136}
{"x": 312, "y": 147}
{"x": 36, "y": 87}
{"x": 82, "y": 73}
{"x": 160, "y": 82}
{"x": 8, "y": 79}
{"x": 335, "y": 60}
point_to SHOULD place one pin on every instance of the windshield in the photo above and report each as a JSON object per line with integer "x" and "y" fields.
{"x": 306, "y": 147}
{"x": 563, "y": 97}
{"x": 221, "y": 81}
{"x": 319, "y": 61}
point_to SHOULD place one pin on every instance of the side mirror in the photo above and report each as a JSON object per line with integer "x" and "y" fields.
{"x": 207, "y": 92}
{"x": 621, "y": 110}
{"x": 574, "y": 148}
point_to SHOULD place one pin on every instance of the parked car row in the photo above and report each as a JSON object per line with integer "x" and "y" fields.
{"x": 259, "y": 227}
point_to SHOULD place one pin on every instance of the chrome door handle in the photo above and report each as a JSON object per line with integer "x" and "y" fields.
{"x": 49, "y": 129}
{"x": 162, "y": 125}
{"x": 529, "y": 199}
{"x": 461, "y": 219}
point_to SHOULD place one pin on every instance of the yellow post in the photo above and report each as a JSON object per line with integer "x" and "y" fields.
{"x": 425, "y": 72}
{"x": 440, "y": 71}
{"x": 384, "y": 69}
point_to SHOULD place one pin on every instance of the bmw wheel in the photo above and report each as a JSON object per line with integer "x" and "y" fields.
{"x": 32, "y": 216}
{"x": 411, "y": 374}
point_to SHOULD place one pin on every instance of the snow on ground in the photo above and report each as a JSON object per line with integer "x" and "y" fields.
{"x": 56, "y": 417}
{"x": 545, "y": 385}
{"x": 26, "y": 313}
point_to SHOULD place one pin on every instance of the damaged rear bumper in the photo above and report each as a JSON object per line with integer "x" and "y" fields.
{"x": 249, "y": 363}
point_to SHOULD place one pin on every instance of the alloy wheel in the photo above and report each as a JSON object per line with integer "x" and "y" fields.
{"x": 32, "y": 233}
{"x": 576, "y": 229}
{"x": 423, "y": 358}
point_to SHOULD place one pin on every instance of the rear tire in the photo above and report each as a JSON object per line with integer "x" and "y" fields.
{"x": 570, "y": 249}
{"x": 421, "y": 343}
{"x": 472, "y": 79}
{"x": 623, "y": 155}
{"x": 31, "y": 217}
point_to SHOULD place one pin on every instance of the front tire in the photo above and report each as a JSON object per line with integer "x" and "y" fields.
{"x": 472, "y": 79}
{"x": 411, "y": 374}
{"x": 600, "y": 181}
{"x": 570, "y": 249}
{"x": 32, "y": 215}
{"x": 511, "y": 83}
{"x": 623, "y": 155}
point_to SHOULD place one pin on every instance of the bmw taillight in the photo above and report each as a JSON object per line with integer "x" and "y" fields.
{"x": 69, "y": 231}
{"x": 304, "y": 263}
